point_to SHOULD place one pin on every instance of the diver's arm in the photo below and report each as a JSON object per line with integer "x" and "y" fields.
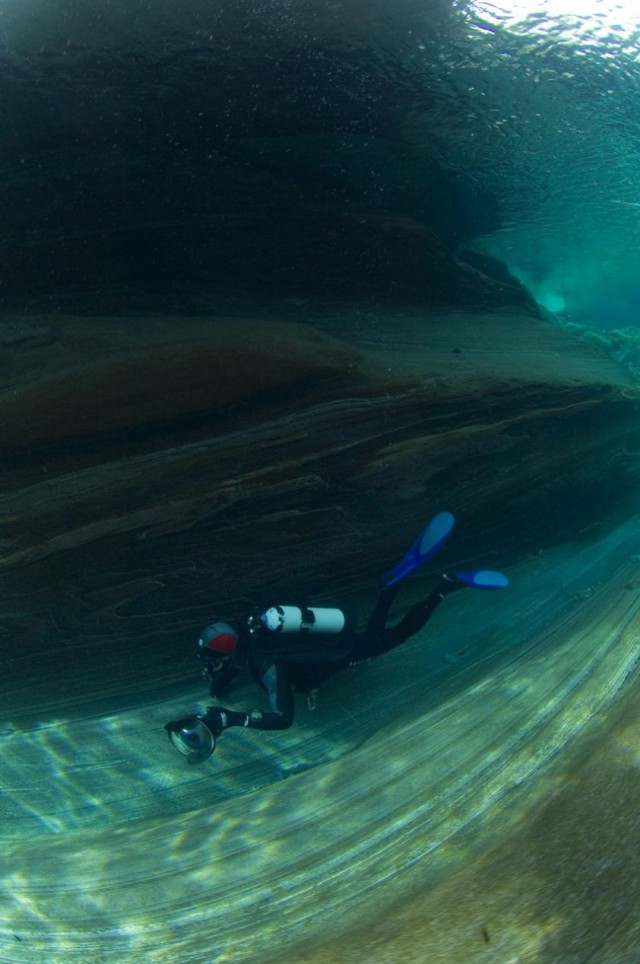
{"x": 278, "y": 686}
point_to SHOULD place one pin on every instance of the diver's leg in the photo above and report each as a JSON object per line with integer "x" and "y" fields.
{"x": 380, "y": 614}
{"x": 449, "y": 582}
{"x": 378, "y": 639}
{"x": 419, "y": 614}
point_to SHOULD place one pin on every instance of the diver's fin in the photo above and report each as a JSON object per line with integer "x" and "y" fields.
{"x": 482, "y": 579}
{"x": 426, "y": 545}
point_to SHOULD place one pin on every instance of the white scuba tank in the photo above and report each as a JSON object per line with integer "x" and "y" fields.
{"x": 293, "y": 619}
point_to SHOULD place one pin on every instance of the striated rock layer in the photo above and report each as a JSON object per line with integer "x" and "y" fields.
{"x": 483, "y": 822}
{"x": 159, "y": 472}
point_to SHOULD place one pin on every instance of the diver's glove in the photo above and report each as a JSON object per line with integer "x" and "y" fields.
{"x": 219, "y": 718}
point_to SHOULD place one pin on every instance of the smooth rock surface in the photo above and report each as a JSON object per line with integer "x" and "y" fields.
{"x": 304, "y": 466}
{"x": 131, "y": 516}
{"x": 308, "y": 861}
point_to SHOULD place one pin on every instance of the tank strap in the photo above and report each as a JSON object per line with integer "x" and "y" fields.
{"x": 308, "y": 619}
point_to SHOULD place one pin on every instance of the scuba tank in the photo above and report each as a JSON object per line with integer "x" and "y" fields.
{"x": 303, "y": 619}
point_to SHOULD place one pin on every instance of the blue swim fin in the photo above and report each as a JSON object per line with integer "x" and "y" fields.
{"x": 426, "y": 545}
{"x": 482, "y": 579}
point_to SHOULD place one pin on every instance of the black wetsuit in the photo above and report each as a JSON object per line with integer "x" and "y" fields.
{"x": 310, "y": 659}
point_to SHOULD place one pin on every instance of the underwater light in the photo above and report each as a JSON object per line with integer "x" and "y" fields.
{"x": 602, "y": 15}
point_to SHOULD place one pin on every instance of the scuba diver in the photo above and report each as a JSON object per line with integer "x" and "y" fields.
{"x": 297, "y": 648}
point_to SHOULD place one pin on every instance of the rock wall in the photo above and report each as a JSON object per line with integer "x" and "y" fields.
{"x": 160, "y": 473}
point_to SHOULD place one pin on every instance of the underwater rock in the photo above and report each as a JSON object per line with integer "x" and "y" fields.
{"x": 283, "y": 192}
{"x": 279, "y": 461}
{"x": 473, "y": 817}
{"x": 106, "y": 379}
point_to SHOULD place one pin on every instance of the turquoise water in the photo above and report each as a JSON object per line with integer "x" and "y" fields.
{"x": 555, "y": 88}
{"x": 259, "y": 319}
